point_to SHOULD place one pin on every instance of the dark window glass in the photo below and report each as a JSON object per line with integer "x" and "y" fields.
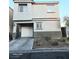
{"x": 38, "y": 25}
{"x": 21, "y": 7}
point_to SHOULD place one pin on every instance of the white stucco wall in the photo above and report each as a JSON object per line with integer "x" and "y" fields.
{"x": 48, "y": 26}
{"x": 26, "y": 15}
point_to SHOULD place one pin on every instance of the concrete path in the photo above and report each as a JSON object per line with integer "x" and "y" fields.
{"x": 21, "y": 44}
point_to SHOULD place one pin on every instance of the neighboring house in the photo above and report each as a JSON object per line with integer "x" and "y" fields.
{"x": 10, "y": 23}
{"x": 66, "y": 18}
{"x": 36, "y": 19}
{"x": 65, "y": 27}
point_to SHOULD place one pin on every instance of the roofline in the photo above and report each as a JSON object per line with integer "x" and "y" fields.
{"x": 13, "y": 0}
{"x": 23, "y": 1}
{"x": 48, "y": 2}
{"x": 45, "y": 3}
{"x": 53, "y": 2}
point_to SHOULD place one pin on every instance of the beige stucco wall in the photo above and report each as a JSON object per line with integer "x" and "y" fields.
{"x": 41, "y": 11}
{"x": 46, "y": 19}
{"x": 48, "y": 26}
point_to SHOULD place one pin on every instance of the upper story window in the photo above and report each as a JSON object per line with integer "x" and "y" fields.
{"x": 38, "y": 25}
{"x": 22, "y": 7}
{"x": 50, "y": 9}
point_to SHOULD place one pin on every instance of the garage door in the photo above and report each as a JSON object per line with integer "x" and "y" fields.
{"x": 26, "y": 32}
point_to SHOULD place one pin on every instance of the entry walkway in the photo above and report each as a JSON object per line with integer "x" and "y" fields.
{"x": 21, "y": 44}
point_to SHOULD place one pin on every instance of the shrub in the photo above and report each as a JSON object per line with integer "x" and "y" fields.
{"x": 47, "y": 38}
{"x": 54, "y": 43}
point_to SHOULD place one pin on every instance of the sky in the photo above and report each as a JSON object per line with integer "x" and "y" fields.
{"x": 63, "y": 6}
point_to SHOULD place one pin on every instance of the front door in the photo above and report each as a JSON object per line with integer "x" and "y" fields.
{"x": 26, "y": 32}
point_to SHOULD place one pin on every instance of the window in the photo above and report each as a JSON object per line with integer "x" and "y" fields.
{"x": 50, "y": 9}
{"x": 22, "y": 7}
{"x": 38, "y": 25}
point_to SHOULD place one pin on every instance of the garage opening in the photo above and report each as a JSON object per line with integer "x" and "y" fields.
{"x": 25, "y": 30}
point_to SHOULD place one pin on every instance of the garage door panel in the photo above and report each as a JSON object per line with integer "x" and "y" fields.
{"x": 26, "y": 32}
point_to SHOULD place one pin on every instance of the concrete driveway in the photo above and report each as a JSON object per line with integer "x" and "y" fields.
{"x": 21, "y": 44}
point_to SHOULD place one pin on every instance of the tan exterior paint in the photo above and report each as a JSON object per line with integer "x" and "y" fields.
{"x": 41, "y": 11}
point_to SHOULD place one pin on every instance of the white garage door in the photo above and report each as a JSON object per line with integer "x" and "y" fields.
{"x": 26, "y": 32}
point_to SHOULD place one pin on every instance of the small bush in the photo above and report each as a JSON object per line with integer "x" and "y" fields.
{"x": 54, "y": 43}
{"x": 63, "y": 40}
{"x": 47, "y": 38}
{"x": 68, "y": 38}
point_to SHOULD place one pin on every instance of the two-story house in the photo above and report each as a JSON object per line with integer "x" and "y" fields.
{"x": 36, "y": 19}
